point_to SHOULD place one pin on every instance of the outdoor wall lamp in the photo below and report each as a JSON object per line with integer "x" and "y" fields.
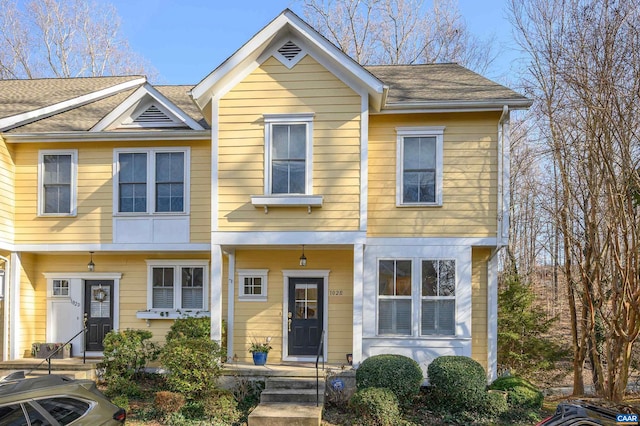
{"x": 303, "y": 259}
{"x": 91, "y": 266}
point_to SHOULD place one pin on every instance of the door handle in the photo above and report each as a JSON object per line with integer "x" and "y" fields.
{"x": 289, "y": 321}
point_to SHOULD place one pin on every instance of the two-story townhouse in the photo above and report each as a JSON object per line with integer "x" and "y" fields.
{"x": 292, "y": 191}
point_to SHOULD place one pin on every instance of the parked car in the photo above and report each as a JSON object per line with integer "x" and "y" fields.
{"x": 55, "y": 400}
{"x": 574, "y": 413}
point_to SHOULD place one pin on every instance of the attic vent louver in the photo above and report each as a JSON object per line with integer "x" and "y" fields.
{"x": 153, "y": 115}
{"x": 290, "y": 50}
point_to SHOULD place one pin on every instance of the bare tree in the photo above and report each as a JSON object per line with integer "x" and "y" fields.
{"x": 70, "y": 38}
{"x": 585, "y": 77}
{"x": 399, "y": 32}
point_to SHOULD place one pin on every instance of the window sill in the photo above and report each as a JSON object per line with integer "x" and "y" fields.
{"x": 252, "y": 298}
{"x": 171, "y": 314}
{"x": 267, "y": 201}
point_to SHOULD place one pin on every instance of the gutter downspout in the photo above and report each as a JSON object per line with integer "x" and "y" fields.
{"x": 502, "y": 238}
{"x": 5, "y": 310}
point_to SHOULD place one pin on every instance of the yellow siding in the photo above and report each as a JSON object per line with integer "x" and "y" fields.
{"x": 258, "y": 320}
{"x": 93, "y": 223}
{"x": 274, "y": 89}
{"x": 479, "y": 285}
{"x": 470, "y": 173}
{"x": 133, "y": 289}
{"x": 7, "y": 193}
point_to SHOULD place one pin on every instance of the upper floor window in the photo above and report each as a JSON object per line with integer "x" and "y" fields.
{"x": 420, "y": 153}
{"x": 57, "y": 182}
{"x": 151, "y": 180}
{"x": 288, "y": 148}
{"x": 177, "y": 285}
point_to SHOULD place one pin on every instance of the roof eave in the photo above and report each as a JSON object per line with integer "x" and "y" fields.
{"x": 473, "y": 105}
{"x": 139, "y": 135}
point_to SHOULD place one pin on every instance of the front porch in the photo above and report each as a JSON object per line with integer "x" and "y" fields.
{"x": 75, "y": 367}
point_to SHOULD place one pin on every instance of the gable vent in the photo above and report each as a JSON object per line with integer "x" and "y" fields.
{"x": 153, "y": 115}
{"x": 290, "y": 50}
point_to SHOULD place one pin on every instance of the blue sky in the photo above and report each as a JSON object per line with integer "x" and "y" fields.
{"x": 186, "y": 40}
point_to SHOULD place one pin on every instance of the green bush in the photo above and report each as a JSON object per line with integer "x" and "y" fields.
{"x": 375, "y": 406}
{"x": 193, "y": 365}
{"x": 520, "y": 392}
{"x": 121, "y": 401}
{"x": 122, "y": 386}
{"x": 127, "y": 353}
{"x": 222, "y": 407}
{"x": 493, "y": 404}
{"x": 191, "y": 327}
{"x": 458, "y": 384}
{"x": 400, "y": 374}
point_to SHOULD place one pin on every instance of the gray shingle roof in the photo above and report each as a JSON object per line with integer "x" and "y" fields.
{"x": 20, "y": 96}
{"x": 439, "y": 83}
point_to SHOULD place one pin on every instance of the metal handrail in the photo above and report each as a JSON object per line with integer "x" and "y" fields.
{"x": 48, "y": 359}
{"x": 320, "y": 347}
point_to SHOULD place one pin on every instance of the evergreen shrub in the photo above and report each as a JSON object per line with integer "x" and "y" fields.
{"x": 375, "y": 406}
{"x": 520, "y": 392}
{"x": 127, "y": 353}
{"x": 458, "y": 383}
{"x": 398, "y": 373}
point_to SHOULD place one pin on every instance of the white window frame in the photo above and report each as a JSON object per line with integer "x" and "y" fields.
{"x": 380, "y": 297}
{"x": 269, "y": 121}
{"x": 73, "y": 197}
{"x": 436, "y": 298}
{"x": 430, "y": 131}
{"x": 177, "y": 265}
{"x": 253, "y": 273}
{"x": 417, "y": 297}
{"x": 60, "y": 281}
{"x": 151, "y": 180}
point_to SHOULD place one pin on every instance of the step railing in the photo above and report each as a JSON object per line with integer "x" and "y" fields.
{"x": 320, "y": 350}
{"x": 58, "y": 349}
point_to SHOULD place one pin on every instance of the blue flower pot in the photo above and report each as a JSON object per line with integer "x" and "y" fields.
{"x": 259, "y": 358}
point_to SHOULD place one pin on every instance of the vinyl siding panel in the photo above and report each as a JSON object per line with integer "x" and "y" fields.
{"x": 257, "y": 320}
{"x": 470, "y": 178}
{"x": 479, "y": 319}
{"x": 94, "y": 220}
{"x": 274, "y": 89}
{"x": 7, "y": 200}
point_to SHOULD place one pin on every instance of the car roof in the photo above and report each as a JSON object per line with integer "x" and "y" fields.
{"x": 12, "y": 387}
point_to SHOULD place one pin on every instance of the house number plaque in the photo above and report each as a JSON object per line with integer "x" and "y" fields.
{"x": 336, "y": 292}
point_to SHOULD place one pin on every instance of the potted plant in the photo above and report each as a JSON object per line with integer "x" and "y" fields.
{"x": 260, "y": 351}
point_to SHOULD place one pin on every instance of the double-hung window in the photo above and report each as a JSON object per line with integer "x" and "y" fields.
{"x": 151, "y": 181}
{"x": 394, "y": 297}
{"x": 177, "y": 285}
{"x": 288, "y": 150}
{"x": 419, "y": 177}
{"x": 438, "y": 297}
{"x": 57, "y": 182}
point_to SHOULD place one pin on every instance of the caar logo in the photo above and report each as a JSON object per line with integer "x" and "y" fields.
{"x": 627, "y": 419}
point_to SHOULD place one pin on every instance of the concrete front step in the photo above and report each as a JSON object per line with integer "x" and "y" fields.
{"x": 286, "y": 414}
{"x": 72, "y": 374}
{"x": 292, "y": 396}
{"x": 294, "y": 383}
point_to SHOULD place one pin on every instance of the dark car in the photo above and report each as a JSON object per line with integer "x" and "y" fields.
{"x": 585, "y": 413}
{"x": 55, "y": 400}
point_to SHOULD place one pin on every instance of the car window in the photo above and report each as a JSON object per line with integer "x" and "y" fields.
{"x": 35, "y": 417}
{"x": 64, "y": 410}
{"x": 12, "y": 415}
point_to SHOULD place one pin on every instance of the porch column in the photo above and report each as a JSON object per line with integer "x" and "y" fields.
{"x": 231, "y": 302}
{"x": 15, "y": 339}
{"x": 216, "y": 292}
{"x": 358, "y": 294}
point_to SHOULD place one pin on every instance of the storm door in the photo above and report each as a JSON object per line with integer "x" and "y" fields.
{"x": 304, "y": 318}
{"x": 98, "y": 312}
